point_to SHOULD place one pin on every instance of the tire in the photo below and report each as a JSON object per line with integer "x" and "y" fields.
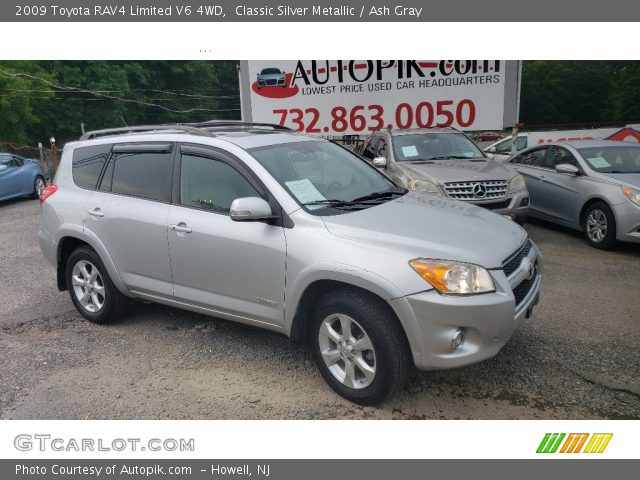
{"x": 38, "y": 185}
{"x": 363, "y": 375}
{"x": 599, "y": 226}
{"x": 85, "y": 271}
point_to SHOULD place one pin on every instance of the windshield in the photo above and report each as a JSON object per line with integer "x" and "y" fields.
{"x": 269, "y": 71}
{"x": 613, "y": 159}
{"x": 5, "y": 159}
{"x": 434, "y": 146}
{"x": 323, "y": 176}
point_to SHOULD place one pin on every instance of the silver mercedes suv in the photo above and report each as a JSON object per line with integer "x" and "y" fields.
{"x": 444, "y": 161}
{"x": 261, "y": 225}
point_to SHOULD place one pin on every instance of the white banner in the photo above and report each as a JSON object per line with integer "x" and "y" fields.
{"x": 347, "y": 97}
{"x": 281, "y": 439}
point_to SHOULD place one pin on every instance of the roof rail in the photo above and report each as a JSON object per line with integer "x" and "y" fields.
{"x": 143, "y": 129}
{"x": 201, "y": 128}
{"x": 212, "y": 124}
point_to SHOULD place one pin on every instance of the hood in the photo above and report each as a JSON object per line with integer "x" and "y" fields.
{"x": 627, "y": 178}
{"x": 444, "y": 171}
{"x": 423, "y": 225}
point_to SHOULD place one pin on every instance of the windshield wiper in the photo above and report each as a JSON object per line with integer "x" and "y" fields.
{"x": 378, "y": 195}
{"x": 620, "y": 171}
{"x": 455, "y": 157}
{"x": 332, "y": 202}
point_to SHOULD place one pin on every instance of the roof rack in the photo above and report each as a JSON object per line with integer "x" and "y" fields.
{"x": 213, "y": 124}
{"x": 144, "y": 129}
{"x": 202, "y": 128}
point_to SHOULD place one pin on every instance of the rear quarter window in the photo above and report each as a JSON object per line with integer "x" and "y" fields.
{"x": 87, "y": 164}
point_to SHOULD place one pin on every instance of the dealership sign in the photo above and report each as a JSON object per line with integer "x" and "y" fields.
{"x": 346, "y": 97}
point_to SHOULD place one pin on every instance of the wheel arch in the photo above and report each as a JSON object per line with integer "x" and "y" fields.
{"x": 588, "y": 203}
{"x": 315, "y": 289}
{"x": 73, "y": 240}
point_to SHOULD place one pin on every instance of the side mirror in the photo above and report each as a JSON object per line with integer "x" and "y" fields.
{"x": 250, "y": 209}
{"x": 380, "y": 162}
{"x": 567, "y": 168}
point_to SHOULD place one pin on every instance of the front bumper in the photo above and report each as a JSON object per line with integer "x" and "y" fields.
{"x": 488, "y": 321}
{"x": 515, "y": 206}
{"x": 627, "y": 222}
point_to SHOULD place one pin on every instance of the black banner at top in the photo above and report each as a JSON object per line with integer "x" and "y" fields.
{"x": 323, "y": 11}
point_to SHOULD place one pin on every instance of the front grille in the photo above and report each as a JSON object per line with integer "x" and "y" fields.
{"x": 272, "y": 82}
{"x": 512, "y": 263}
{"x": 482, "y": 190}
{"x": 522, "y": 290}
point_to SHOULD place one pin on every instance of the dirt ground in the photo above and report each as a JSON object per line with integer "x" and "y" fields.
{"x": 578, "y": 356}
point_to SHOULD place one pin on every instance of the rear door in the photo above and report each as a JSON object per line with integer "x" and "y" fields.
{"x": 128, "y": 214}
{"x": 236, "y": 268}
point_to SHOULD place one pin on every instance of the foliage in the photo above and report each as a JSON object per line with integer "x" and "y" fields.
{"x": 40, "y": 99}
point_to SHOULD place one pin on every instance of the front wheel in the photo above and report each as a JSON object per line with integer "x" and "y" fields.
{"x": 599, "y": 226}
{"x": 359, "y": 346}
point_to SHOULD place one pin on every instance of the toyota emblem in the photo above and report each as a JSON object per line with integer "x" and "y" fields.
{"x": 479, "y": 190}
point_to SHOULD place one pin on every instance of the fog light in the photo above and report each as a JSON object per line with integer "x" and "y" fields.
{"x": 457, "y": 339}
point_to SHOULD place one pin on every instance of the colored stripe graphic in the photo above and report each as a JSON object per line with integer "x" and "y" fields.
{"x": 550, "y": 442}
{"x": 597, "y": 442}
{"x": 574, "y": 443}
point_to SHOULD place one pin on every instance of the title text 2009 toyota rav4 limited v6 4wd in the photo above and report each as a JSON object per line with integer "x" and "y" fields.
{"x": 264, "y": 226}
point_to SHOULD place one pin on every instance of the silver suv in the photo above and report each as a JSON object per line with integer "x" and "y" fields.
{"x": 261, "y": 225}
{"x": 445, "y": 162}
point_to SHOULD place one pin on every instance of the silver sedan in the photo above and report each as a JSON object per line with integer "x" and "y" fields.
{"x": 590, "y": 185}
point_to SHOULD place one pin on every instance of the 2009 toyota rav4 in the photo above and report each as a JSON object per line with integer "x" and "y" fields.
{"x": 264, "y": 226}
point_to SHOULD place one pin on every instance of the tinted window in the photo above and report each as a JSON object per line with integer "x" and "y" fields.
{"x": 532, "y": 158}
{"x": 140, "y": 174}
{"x": 6, "y": 160}
{"x": 211, "y": 184}
{"x": 370, "y": 149}
{"x": 87, "y": 164}
{"x": 18, "y": 161}
{"x": 558, "y": 155}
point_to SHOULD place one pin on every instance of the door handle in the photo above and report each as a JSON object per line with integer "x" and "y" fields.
{"x": 96, "y": 212}
{"x": 180, "y": 227}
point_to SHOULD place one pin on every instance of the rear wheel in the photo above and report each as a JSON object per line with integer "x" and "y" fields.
{"x": 38, "y": 185}
{"x": 599, "y": 226}
{"x": 91, "y": 289}
{"x": 359, "y": 347}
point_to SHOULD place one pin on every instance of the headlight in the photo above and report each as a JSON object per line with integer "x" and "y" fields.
{"x": 632, "y": 194}
{"x": 423, "y": 186}
{"x": 454, "y": 277}
{"x": 517, "y": 183}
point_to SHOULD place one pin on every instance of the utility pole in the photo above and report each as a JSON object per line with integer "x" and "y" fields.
{"x": 82, "y": 127}
{"x": 54, "y": 153}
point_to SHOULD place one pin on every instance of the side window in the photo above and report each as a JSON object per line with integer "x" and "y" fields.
{"x": 382, "y": 147}
{"x": 369, "y": 150}
{"x": 532, "y": 158}
{"x": 557, "y": 155}
{"x": 139, "y": 174}
{"x": 504, "y": 146}
{"x": 17, "y": 161}
{"x": 211, "y": 184}
{"x": 87, "y": 164}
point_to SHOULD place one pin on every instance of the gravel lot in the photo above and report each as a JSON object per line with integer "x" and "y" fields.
{"x": 577, "y": 357}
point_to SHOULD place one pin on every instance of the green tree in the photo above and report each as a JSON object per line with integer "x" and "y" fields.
{"x": 20, "y": 95}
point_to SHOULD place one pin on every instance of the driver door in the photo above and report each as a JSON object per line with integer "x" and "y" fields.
{"x": 235, "y": 268}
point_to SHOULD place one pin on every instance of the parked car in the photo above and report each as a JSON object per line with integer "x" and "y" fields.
{"x": 590, "y": 185}
{"x": 445, "y": 162}
{"x": 20, "y": 176}
{"x": 292, "y": 233}
{"x": 271, "y": 77}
